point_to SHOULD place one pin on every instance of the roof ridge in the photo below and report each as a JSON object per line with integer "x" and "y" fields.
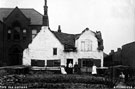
{"x": 5, "y": 8}
{"x": 27, "y": 8}
{"x": 19, "y": 8}
{"x": 65, "y": 33}
{"x": 37, "y": 12}
{"x": 36, "y": 17}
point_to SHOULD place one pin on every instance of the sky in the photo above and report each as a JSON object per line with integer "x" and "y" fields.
{"x": 114, "y": 18}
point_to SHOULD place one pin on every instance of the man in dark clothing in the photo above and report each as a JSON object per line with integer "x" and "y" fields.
{"x": 76, "y": 68}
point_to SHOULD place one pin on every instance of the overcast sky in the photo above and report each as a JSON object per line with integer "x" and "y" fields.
{"x": 114, "y": 18}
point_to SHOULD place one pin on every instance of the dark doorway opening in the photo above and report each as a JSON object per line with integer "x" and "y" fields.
{"x": 15, "y": 55}
{"x": 69, "y": 60}
{"x": 69, "y": 68}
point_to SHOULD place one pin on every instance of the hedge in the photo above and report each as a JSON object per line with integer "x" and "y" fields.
{"x": 53, "y": 78}
{"x": 59, "y": 80}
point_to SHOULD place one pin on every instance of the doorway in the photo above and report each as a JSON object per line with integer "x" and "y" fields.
{"x": 15, "y": 55}
{"x": 69, "y": 60}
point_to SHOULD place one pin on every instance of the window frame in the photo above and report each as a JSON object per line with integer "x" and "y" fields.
{"x": 82, "y": 45}
{"x": 24, "y": 31}
{"x": 89, "y": 45}
{"x": 35, "y": 62}
{"x": 55, "y": 51}
{"x": 86, "y": 45}
{"x": 88, "y": 63}
{"x": 17, "y": 33}
{"x": 24, "y": 34}
{"x": 53, "y": 63}
{"x": 9, "y": 34}
{"x": 34, "y": 33}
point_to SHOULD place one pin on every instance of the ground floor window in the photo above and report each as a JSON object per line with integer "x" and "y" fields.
{"x": 97, "y": 62}
{"x": 86, "y": 62}
{"x": 39, "y": 63}
{"x": 53, "y": 63}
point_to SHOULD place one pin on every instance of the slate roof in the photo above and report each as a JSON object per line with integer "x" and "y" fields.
{"x": 68, "y": 40}
{"x": 36, "y": 17}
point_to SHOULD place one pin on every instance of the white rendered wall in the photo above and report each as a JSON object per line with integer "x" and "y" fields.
{"x": 94, "y": 53}
{"x": 42, "y": 46}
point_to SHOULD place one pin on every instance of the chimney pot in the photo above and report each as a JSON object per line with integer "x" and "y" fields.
{"x": 59, "y": 28}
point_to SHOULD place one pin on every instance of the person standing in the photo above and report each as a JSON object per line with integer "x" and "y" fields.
{"x": 122, "y": 77}
{"x": 63, "y": 70}
{"x": 76, "y": 68}
{"x": 94, "y": 70}
{"x": 70, "y": 68}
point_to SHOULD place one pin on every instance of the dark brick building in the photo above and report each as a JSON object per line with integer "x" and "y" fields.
{"x": 128, "y": 54}
{"x": 124, "y": 56}
{"x": 114, "y": 58}
{"x": 18, "y": 27}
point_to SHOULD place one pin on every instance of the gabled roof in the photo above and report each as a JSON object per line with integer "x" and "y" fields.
{"x": 83, "y": 32}
{"x": 68, "y": 40}
{"x": 36, "y": 17}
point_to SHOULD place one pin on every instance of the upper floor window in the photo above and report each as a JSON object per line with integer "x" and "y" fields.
{"x": 9, "y": 31}
{"x": 24, "y": 34}
{"x": 86, "y": 45}
{"x": 54, "y": 51}
{"x": 16, "y": 33}
{"x": 16, "y": 25}
{"x": 82, "y": 45}
{"x": 9, "y": 34}
{"x": 34, "y": 33}
{"x": 24, "y": 31}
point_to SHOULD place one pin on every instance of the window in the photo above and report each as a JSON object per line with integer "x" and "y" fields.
{"x": 9, "y": 34}
{"x": 24, "y": 31}
{"x": 24, "y": 34}
{"x": 39, "y": 63}
{"x": 86, "y": 45}
{"x": 16, "y": 30}
{"x": 34, "y": 33}
{"x": 87, "y": 63}
{"x": 54, "y": 51}
{"x": 17, "y": 33}
{"x": 53, "y": 63}
{"x": 82, "y": 45}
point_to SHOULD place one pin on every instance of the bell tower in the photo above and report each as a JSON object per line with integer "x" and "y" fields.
{"x": 45, "y": 17}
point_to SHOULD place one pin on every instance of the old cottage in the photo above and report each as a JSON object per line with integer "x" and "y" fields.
{"x": 52, "y": 49}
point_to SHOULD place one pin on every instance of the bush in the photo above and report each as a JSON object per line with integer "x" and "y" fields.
{"x": 3, "y": 72}
{"x": 131, "y": 81}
